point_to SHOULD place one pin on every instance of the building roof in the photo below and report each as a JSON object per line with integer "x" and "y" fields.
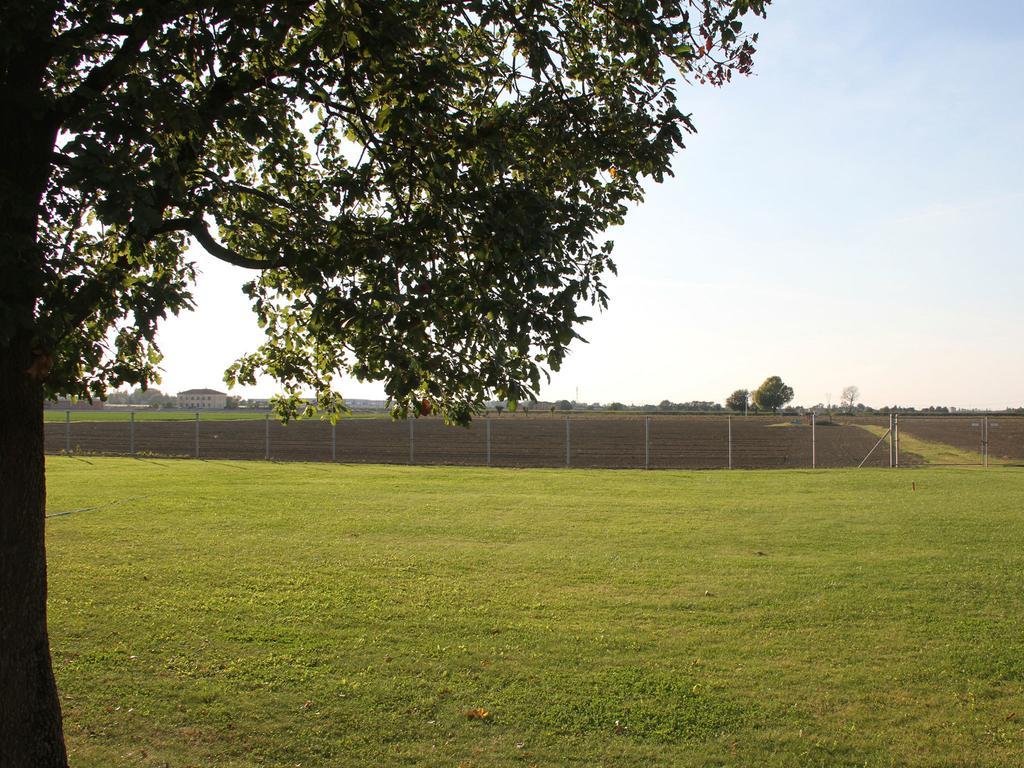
{"x": 201, "y": 392}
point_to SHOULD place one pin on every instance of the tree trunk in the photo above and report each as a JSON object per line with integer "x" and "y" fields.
{"x": 31, "y": 735}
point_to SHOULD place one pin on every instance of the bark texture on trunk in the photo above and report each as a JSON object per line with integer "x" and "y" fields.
{"x": 31, "y": 734}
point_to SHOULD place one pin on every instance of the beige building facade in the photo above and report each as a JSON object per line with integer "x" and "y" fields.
{"x": 202, "y": 400}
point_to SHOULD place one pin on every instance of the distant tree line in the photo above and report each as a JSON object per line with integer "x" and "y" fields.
{"x": 773, "y": 396}
{"x": 152, "y": 397}
{"x": 145, "y": 398}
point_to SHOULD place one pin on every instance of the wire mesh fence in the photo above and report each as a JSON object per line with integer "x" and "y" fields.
{"x": 594, "y": 441}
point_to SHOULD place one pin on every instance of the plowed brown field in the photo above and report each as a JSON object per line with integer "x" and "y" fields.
{"x": 599, "y": 441}
{"x": 1006, "y": 433}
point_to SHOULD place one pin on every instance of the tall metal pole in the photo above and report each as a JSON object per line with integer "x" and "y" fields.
{"x": 814, "y": 442}
{"x": 67, "y": 432}
{"x": 266, "y": 438}
{"x": 896, "y": 439}
{"x": 984, "y": 439}
{"x": 334, "y": 441}
{"x": 730, "y": 442}
{"x": 568, "y": 462}
{"x": 131, "y": 433}
{"x": 412, "y": 441}
{"x": 487, "y": 429}
{"x": 647, "y": 442}
{"x": 197, "y": 434}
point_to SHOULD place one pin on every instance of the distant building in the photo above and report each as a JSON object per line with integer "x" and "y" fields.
{"x": 357, "y": 404}
{"x": 202, "y": 399}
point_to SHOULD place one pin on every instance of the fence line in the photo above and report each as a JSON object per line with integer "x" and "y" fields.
{"x": 643, "y": 442}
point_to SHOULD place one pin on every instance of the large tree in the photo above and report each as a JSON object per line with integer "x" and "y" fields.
{"x": 773, "y": 394}
{"x": 850, "y": 396}
{"x": 738, "y": 400}
{"x": 418, "y": 189}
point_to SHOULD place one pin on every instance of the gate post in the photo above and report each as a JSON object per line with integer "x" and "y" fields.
{"x": 985, "y": 441}
{"x": 896, "y": 439}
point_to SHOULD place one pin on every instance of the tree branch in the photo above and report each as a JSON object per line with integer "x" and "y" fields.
{"x": 79, "y": 36}
{"x": 106, "y": 74}
{"x": 196, "y": 227}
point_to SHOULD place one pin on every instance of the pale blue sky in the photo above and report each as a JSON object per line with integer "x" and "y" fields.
{"x": 850, "y": 215}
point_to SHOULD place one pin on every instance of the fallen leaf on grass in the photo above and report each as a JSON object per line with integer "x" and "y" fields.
{"x": 478, "y": 714}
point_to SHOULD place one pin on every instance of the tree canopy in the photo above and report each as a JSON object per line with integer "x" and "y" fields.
{"x": 850, "y": 396}
{"x": 738, "y": 400}
{"x": 773, "y": 394}
{"x": 419, "y": 188}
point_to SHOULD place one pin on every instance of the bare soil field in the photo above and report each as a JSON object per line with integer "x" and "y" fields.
{"x": 1006, "y": 433}
{"x": 672, "y": 442}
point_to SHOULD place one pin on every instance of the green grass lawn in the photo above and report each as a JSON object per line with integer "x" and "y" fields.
{"x": 242, "y": 614}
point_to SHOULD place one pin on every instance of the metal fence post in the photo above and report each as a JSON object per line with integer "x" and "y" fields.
{"x": 412, "y": 441}
{"x": 814, "y": 441}
{"x": 67, "y": 432}
{"x": 730, "y": 441}
{"x": 568, "y": 461}
{"x": 197, "y": 434}
{"x": 487, "y": 429}
{"x": 334, "y": 441}
{"x": 266, "y": 438}
{"x": 984, "y": 438}
{"x": 896, "y": 439}
{"x": 647, "y": 442}
{"x": 131, "y": 433}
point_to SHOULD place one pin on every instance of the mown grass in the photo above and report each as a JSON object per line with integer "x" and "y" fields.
{"x": 238, "y": 614}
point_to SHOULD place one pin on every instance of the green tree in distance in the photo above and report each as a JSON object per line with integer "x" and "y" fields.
{"x": 418, "y": 190}
{"x": 773, "y": 394}
{"x": 738, "y": 400}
